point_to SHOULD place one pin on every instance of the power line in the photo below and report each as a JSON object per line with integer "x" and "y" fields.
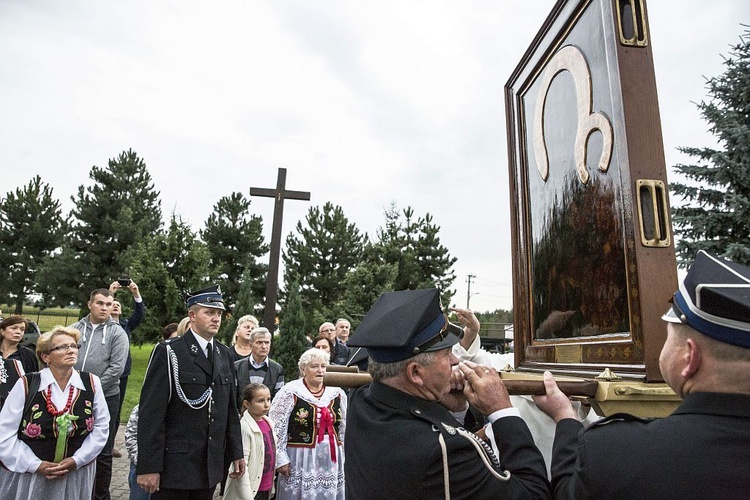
{"x": 468, "y": 289}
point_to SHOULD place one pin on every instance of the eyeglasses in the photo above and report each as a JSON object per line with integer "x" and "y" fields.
{"x": 65, "y": 348}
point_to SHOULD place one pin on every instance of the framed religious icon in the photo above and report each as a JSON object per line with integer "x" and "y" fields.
{"x": 594, "y": 263}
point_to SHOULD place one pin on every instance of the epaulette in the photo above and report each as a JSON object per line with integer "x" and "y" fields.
{"x": 620, "y": 417}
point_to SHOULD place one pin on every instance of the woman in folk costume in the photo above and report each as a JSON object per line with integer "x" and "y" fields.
{"x": 309, "y": 423}
{"x": 53, "y": 425}
{"x": 10, "y": 371}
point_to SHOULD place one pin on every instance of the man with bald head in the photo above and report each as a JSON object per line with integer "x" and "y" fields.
{"x": 340, "y": 353}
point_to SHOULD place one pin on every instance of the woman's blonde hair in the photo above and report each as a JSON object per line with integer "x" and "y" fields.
{"x": 182, "y": 327}
{"x": 244, "y": 319}
{"x": 45, "y": 339}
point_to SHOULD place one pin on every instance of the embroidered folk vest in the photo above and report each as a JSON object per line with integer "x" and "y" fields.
{"x": 10, "y": 372}
{"x": 302, "y": 430}
{"x": 38, "y": 428}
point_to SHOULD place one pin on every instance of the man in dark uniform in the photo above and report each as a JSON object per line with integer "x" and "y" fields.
{"x": 702, "y": 450}
{"x": 188, "y": 422}
{"x": 402, "y": 440}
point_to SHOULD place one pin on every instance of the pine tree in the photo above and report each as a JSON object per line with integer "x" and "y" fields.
{"x": 164, "y": 304}
{"x": 413, "y": 245}
{"x": 235, "y": 243}
{"x": 319, "y": 258}
{"x": 715, "y": 214}
{"x": 186, "y": 257}
{"x": 363, "y": 285}
{"x": 109, "y": 219}
{"x": 31, "y": 228}
{"x": 168, "y": 266}
{"x": 290, "y": 342}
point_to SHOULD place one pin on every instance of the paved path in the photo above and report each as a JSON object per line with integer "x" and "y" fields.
{"x": 119, "y": 488}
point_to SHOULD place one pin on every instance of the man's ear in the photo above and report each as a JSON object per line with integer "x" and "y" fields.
{"x": 414, "y": 373}
{"x": 693, "y": 358}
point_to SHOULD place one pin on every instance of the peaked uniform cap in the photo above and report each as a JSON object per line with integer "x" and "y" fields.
{"x": 207, "y": 297}
{"x": 403, "y": 324}
{"x": 714, "y": 299}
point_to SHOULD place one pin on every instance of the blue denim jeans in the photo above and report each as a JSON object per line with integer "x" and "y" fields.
{"x": 136, "y": 492}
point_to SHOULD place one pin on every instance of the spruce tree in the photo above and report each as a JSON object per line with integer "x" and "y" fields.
{"x": 319, "y": 257}
{"x": 289, "y": 344}
{"x": 413, "y": 246}
{"x": 31, "y": 228}
{"x": 186, "y": 257}
{"x": 715, "y": 210}
{"x": 167, "y": 266}
{"x": 363, "y": 285}
{"x": 235, "y": 243}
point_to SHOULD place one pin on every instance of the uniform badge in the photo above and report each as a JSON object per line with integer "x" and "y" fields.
{"x": 194, "y": 349}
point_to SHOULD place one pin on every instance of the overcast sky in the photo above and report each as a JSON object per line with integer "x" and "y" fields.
{"x": 364, "y": 102}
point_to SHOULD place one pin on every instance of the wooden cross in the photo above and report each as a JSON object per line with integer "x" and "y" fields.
{"x": 272, "y": 285}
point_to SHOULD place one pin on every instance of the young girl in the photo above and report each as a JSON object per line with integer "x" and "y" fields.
{"x": 258, "y": 446}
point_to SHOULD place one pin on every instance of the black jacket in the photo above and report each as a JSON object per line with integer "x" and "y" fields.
{"x": 340, "y": 354}
{"x": 189, "y": 447}
{"x": 27, "y": 357}
{"x": 393, "y": 451}
{"x": 701, "y": 451}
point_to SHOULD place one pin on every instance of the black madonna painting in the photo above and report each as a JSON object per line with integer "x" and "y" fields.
{"x": 590, "y": 209}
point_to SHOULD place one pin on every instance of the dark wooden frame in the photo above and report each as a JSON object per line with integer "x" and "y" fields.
{"x": 649, "y": 264}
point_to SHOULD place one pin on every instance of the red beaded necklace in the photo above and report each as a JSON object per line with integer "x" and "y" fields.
{"x": 318, "y": 393}
{"x": 51, "y": 408}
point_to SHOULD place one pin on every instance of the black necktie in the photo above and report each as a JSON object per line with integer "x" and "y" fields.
{"x": 210, "y": 353}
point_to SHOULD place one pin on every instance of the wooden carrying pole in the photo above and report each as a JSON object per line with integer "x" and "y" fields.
{"x": 515, "y": 387}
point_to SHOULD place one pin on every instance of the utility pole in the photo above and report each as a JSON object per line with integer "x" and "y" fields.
{"x": 468, "y": 289}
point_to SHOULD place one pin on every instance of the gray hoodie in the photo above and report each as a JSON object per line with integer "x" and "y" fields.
{"x": 103, "y": 352}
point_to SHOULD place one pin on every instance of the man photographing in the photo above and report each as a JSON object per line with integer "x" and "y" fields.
{"x": 129, "y": 324}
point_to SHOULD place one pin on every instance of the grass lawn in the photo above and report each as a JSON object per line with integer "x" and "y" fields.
{"x": 140, "y": 357}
